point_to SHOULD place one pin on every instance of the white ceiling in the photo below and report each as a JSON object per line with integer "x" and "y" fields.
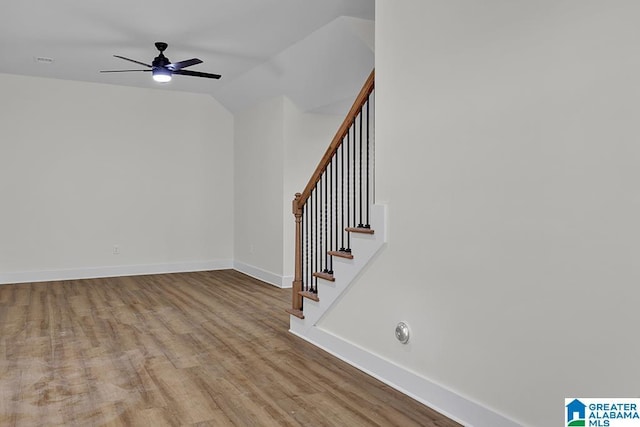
{"x": 317, "y": 52}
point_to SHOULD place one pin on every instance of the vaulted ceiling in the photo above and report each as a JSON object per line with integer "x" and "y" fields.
{"x": 318, "y": 53}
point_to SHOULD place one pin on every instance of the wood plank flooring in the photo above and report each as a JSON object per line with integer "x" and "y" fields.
{"x": 189, "y": 349}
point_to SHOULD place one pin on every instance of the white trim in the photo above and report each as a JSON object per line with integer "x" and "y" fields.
{"x": 113, "y": 271}
{"x": 435, "y": 396}
{"x": 287, "y": 282}
{"x": 264, "y": 275}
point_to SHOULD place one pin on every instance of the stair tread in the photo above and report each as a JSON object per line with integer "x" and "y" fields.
{"x": 325, "y": 276}
{"x": 341, "y": 254}
{"x": 297, "y": 313}
{"x": 361, "y": 230}
{"x": 310, "y": 295}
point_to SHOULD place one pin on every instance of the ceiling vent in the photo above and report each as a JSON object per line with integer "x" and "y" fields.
{"x": 43, "y": 60}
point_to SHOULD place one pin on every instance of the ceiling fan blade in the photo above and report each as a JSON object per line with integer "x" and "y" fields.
{"x": 120, "y": 71}
{"x": 132, "y": 60}
{"x": 197, "y": 74}
{"x": 184, "y": 64}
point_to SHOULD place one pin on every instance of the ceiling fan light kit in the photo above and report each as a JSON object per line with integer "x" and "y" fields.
{"x": 162, "y": 69}
{"x": 161, "y": 75}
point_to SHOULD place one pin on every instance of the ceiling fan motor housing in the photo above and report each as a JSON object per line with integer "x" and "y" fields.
{"x": 161, "y": 61}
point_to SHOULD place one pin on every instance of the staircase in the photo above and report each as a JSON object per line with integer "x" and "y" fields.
{"x": 339, "y": 229}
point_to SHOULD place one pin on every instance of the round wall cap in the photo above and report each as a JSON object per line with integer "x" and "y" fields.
{"x": 402, "y": 332}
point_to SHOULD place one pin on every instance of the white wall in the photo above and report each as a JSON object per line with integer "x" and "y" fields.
{"x": 507, "y": 151}
{"x": 277, "y": 149}
{"x": 84, "y": 167}
{"x": 306, "y": 137}
{"x": 258, "y": 189}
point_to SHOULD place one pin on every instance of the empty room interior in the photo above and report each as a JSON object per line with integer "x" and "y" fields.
{"x": 335, "y": 213}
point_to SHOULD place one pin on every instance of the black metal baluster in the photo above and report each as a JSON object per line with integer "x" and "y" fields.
{"x": 320, "y": 256}
{"x": 348, "y": 248}
{"x": 342, "y": 247}
{"x": 311, "y": 252}
{"x": 331, "y": 223}
{"x": 326, "y": 225}
{"x": 368, "y": 225}
{"x": 315, "y": 231}
{"x": 310, "y": 237}
{"x": 320, "y": 227}
{"x": 305, "y": 231}
{"x": 355, "y": 143}
{"x": 335, "y": 182}
{"x": 309, "y": 208}
{"x": 360, "y": 224}
{"x": 302, "y": 245}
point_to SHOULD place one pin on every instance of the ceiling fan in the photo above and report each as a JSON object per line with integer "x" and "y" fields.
{"x": 162, "y": 69}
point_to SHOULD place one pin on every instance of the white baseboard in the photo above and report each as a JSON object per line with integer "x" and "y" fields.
{"x": 265, "y": 276}
{"x": 435, "y": 396}
{"x": 287, "y": 282}
{"x": 113, "y": 271}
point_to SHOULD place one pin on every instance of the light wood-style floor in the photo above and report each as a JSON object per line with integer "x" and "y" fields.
{"x": 190, "y": 349}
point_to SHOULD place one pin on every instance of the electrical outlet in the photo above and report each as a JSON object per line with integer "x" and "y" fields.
{"x": 116, "y": 250}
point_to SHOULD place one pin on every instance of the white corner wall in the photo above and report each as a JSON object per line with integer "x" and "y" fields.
{"x": 277, "y": 148}
{"x": 306, "y": 138}
{"x": 258, "y": 190}
{"x": 85, "y": 167}
{"x": 507, "y": 153}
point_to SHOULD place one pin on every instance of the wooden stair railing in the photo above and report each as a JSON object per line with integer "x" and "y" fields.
{"x": 335, "y": 202}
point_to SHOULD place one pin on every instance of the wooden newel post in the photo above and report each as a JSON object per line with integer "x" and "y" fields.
{"x": 296, "y": 298}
